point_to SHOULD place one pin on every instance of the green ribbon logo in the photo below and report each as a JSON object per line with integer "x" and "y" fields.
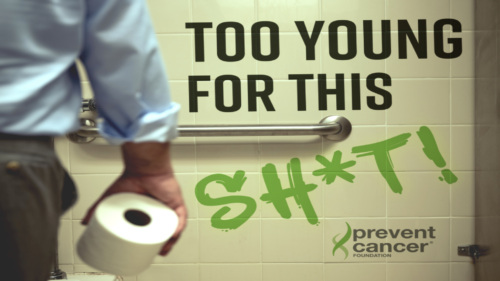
{"x": 340, "y": 244}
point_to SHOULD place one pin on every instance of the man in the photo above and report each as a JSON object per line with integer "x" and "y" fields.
{"x": 40, "y": 98}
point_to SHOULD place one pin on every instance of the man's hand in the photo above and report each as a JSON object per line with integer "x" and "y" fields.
{"x": 148, "y": 171}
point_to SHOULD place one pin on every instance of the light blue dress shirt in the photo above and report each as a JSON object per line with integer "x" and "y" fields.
{"x": 40, "y": 94}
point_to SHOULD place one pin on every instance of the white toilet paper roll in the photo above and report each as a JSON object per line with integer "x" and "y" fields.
{"x": 125, "y": 233}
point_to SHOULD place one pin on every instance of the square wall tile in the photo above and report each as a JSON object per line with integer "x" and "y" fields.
{"x": 285, "y": 13}
{"x": 349, "y": 42}
{"x": 177, "y": 55}
{"x": 463, "y": 11}
{"x": 90, "y": 188}
{"x": 213, "y": 62}
{"x": 423, "y": 195}
{"x": 95, "y": 159}
{"x": 462, "y": 101}
{"x": 365, "y": 197}
{"x": 356, "y": 11}
{"x": 169, "y": 16}
{"x": 359, "y": 136}
{"x": 462, "y": 234}
{"x": 463, "y": 195}
{"x": 281, "y": 154}
{"x": 462, "y": 148}
{"x": 413, "y": 66}
{"x": 464, "y": 65}
{"x": 183, "y": 157}
{"x": 230, "y": 272}
{"x": 223, "y": 158}
{"x": 211, "y": 114}
{"x": 355, "y": 272}
{"x": 411, "y": 10}
{"x": 217, "y": 194}
{"x": 421, "y": 240}
{"x": 418, "y": 271}
{"x": 293, "y": 272}
{"x": 293, "y": 240}
{"x": 178, "y": 272}
{"x": 217, "y": 11}
{"x": 65, "y": 242}
{"x": 411, "y": 156}
{"x": 462, "y": 271}
{"x": 226, "y": 103}
{"x": 419, "y": 102}
{"x": 298, "y": 205}
{"x": 362, "y": 238}
{"x": 186, "y": 249}
{"x": 291, "y": 60}
{"x": 241, "y": 245}
{"x": 357, "y": 117}
{"x": 290, "y": 107}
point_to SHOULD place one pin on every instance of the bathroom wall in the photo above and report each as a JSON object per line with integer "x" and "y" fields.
{"x": 392, "y": 202}
{"x": 487, "y": 134}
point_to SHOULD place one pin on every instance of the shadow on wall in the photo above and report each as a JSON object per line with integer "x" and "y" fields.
{"x": 487, "y": 137}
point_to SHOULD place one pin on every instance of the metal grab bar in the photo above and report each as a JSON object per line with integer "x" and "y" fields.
{"x": 335, "y": 128}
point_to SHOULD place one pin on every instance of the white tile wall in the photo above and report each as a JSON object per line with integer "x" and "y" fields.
{"x": 437, "y": 248}
{"x": 292, "y": 59}
{"x": 413, "y": 10}
{"x": 244, "y": 272}
{"x": 285, "y": 13}
{"x": 359, "y": 64}
{"x": 418, "y": 271}
{"x": 292, "y": 272}
{"x": 345, "y": 271}
{"x": 462, "y": 195}
{"x": 293, "y": 240}
{"x": 242, "y": 245}
{"x": 365, "y": 197}
{"x": 355, "y": 11}
{"x": 433, "y": 92}
{"x": 423, "y": 196}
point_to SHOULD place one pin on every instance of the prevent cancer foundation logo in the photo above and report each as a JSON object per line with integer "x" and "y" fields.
{"x": 382, "y": 243}
{"x": 339, "y": 245}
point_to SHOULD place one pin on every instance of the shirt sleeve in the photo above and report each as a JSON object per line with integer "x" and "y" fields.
{"x": 125, "y": 69}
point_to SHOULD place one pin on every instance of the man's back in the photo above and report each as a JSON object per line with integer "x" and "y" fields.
{"x": 114, "y": 39}
{"x": 40, "y": 41}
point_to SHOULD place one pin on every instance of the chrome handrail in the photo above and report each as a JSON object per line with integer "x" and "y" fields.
{"x": 335, "y": 128}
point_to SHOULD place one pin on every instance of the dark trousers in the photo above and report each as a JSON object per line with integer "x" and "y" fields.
{"x": 32, "y": 199}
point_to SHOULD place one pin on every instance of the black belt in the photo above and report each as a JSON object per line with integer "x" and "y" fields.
{"x": 4, "y": 136}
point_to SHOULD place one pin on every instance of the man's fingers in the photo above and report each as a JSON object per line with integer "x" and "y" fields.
{"x": 182, "y": 214}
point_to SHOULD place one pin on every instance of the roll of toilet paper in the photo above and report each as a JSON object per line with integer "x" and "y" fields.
{"x": 125, "y": 233}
